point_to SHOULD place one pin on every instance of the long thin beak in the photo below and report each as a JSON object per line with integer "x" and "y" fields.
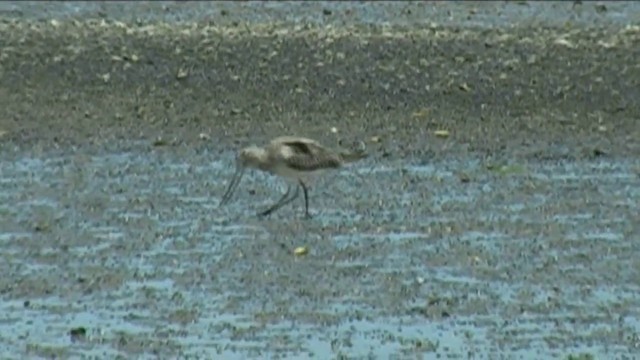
{"x": 235, "y": 181}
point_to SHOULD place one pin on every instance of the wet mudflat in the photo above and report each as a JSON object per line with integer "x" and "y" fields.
{"x": 132, "y": 247}
{"x": 515, "y": 236}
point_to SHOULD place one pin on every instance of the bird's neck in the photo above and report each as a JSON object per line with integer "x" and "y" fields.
{"x": 263, "y": 162}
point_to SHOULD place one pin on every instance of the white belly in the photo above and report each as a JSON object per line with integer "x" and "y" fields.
{"x": 295, "y": 175}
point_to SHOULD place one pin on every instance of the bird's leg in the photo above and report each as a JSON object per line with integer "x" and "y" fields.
{"x": 306, "y": 199}
{"x": 284, "y": 200}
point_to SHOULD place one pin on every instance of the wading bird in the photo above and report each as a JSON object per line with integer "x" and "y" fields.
{"x": 296, "y": 159}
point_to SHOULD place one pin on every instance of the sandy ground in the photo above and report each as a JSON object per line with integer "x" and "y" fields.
{"x": 515, "y": 236}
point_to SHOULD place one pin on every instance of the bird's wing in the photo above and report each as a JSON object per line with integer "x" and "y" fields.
{"x": 307, "y": 155}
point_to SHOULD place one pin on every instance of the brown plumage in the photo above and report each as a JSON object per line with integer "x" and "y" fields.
{"x": 295, "y": 158}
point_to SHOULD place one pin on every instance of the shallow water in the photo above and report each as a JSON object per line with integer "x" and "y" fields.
{"x": 463, "y": 13}
{"x": 524, "y": 260}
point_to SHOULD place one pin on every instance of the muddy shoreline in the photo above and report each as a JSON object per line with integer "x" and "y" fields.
{"x": 517, "y": 90}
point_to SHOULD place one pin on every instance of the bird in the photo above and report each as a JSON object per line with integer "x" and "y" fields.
{"x": 295, "y": 158}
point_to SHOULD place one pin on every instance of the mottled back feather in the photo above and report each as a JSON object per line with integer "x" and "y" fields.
{"x": 305, "y": 154}
{"x": 299, "y": 147}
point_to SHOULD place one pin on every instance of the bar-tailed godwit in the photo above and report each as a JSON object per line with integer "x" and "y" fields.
{"x": 297, "y": 159}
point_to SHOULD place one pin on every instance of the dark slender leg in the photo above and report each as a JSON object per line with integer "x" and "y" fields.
{"x": 306, "y": 199}
{"x": 282, "y": 202}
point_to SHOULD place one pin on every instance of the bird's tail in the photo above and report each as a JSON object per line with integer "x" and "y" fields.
{"x": 351, "y": 156}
